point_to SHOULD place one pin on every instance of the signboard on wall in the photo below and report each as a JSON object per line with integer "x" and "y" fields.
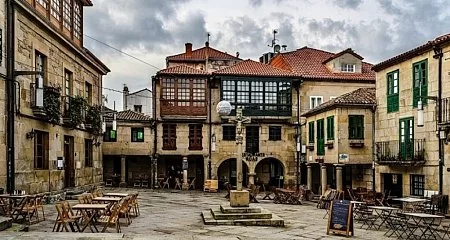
{"x": 343, "y": 157}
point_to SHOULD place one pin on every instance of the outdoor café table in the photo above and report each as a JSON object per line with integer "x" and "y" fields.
{"x": 383, "y": 213}
{"x": 106, "y": 199}
{"x": 424, "y": 221}
{"x": 120, "y": 195}
{"x": 285, "y": 195}
{"x": 410, "y": 202}
{"x": 15, "y": 204}
{"x": 91, "y": 211}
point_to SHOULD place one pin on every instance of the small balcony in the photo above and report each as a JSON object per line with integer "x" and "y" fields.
{"x": 45, "y": 102}
{"x": 74, "y": 110}
{"x": 409, "y": 153}
{"x": 183, "y": 108}
{"x": 445, "y": 111}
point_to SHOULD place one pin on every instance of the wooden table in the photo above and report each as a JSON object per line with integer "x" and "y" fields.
{"x": 424, "y": 222}
{"x": 90, "y": 211}
{"x": 106, "y": 199}
{"x": 14, "y": 204}
{"x": 113, "y": 194}
{"x": 284, "y": 195}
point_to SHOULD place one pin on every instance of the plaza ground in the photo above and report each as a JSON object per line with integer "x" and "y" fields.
{"x": 176, "y": 215}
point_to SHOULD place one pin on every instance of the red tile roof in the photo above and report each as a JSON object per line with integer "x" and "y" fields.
{"x": 348, "y": 50}
{"x": 201, "y": 54}
{"x": 308, "y": 63}
{"x": 253, "y": 68}
{"x": 128, "y": 115}
{"x": 362, "y": 97}
{"x": 182, "y": 70}
{"x": 413, "y": 52}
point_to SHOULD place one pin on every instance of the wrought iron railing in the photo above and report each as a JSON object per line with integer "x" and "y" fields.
{"x": 445, "y": 110}
{"x": 405, "y": 152}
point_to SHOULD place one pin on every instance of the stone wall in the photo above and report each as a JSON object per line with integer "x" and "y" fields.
{"x": 335, "y": 64}
{"x": 124, "y": 145}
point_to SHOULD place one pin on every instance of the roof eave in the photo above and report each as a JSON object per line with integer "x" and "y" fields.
{"x": 338, "y": 105}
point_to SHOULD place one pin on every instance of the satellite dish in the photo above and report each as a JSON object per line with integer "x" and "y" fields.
{"x": 276, "y": 48}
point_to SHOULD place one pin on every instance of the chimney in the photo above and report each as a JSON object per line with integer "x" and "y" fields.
{"x": 188, "y": 49}
{"x": 206, "y": 44}
{"x": 125, "y": 95}
{"x": 237, "y": 54}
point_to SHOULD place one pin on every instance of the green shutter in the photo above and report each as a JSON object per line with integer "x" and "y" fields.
{"x": 311, "y": 132}
{"x": 393, "y": 86}
{"x": 356, "y": 126}
{"x": 330, "y": 128}
{"x": 420, "y": 73}
{"x": 140, "y": 135}
{"x": 320, "y": 137}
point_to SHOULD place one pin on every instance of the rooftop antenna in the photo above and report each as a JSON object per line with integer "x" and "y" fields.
{"x": 209, "y": 35}
{"x": 276, "y": 47}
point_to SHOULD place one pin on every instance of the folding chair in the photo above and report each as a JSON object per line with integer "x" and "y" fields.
{"x": 166, "y": 184}
{"x": 368, "y": 218}
{"x": 63, "y": 219}
{"x": 125, "y": 209}
{"x": 40, "y": 206}
{"x": 137, "y": 182}
{"x": 228, "y": 187}
{"x": 192, "y": 185}
{"x": 29, "y": 210}
{"x": 109, "y": 182}
{"x": 112, "y": 219}
{"x": 145, "y": 181}
{"x": 177, "y": 183}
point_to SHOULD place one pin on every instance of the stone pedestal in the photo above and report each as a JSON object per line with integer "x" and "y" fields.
{"x": 239, "y": 198}
{"x": 185, "y": 185}
{"x": 324, "y": 178}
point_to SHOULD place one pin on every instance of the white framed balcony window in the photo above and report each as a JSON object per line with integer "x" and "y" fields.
{"x": 315, "y": 101}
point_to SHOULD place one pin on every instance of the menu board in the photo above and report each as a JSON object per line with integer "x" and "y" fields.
{"x": 340, "y": 218}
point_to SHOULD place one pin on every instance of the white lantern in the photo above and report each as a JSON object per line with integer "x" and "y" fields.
{"x": 223, "y": 108}
{"x": 114, "y": 123}
{"x": 420, "y": 113}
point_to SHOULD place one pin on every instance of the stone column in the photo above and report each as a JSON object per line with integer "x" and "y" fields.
{"x": 339, "y": 177}
{"x": 309, "y": 176}
{"x": 123, "y": 171}
{"x": 185, "y": 185}
{"x": 324, "y": 178}
{"x": 251, "y": 178}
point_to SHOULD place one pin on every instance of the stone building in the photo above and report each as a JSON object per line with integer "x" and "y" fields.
{"x": 127, "y": 151}
{"x": 324, "y": 76}
{"x": 58, "y": 113}
{"x": 139, "y": 101}
{"x": 340, "y": 137}
{"x": 408, "y": 154}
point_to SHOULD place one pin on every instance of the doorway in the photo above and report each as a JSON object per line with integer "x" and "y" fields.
{"x": 393, "y": 182}
{"x": 69, "y": 168}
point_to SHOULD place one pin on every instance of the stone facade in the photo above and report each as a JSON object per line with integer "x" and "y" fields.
{"x": 387, "y": 128}
{"x": 35, "y": 34}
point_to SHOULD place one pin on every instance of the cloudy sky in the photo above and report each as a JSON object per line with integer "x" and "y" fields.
{"x": 153, "y": 29}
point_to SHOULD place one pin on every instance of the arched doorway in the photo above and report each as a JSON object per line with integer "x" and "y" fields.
{"x": 227, "y": 172}
{"x": 270, "y": 171}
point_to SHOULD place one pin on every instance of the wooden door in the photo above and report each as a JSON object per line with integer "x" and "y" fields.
{"x": 69, "y": 166}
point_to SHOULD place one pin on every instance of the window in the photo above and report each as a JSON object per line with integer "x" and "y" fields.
{"x": 420, "y": 81}
{"x": 138, "y": 108}
{"x": 55, "y": 10}
{"x": 417, "y": 184}
{"x": 77, "y": 20}
{"x": 229, "y": 133}
{"x": 311, "y": 132}
{"x": 184, "y": 92}
{"x": 392, "y": 91}
{"x": 195, "y": 137}
{"x": 88, "y": 92}
{"x": 67, "y": 14}
{"x": 109, "y": 135}
{"x": 356, "y": 126}
{"x": 330, "y": 128}
{"x": 137, "y": 134}
{"x": 88, "y": 154}
{"x": 258, "y": 97}
{"x": 274, "y": 133}
{"x": 169, "y": 136}
{"x": 43, "y": 3}
{"x": 40, "y": 150}
{"x": 67, "y": 89}
{"x": 315, "y": 101}
{"x": 345, "y": 67}
{"x": 40, "y": 65}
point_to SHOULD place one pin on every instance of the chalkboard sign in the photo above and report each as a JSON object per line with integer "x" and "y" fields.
{"x": 340, "y": 218}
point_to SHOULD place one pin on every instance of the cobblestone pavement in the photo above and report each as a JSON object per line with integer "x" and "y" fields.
{"x": 176, "y": 215}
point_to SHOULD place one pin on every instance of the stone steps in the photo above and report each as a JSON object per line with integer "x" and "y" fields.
{"x": 219, "y": 215}
{"x": 228, "y": 209}
{"x": 275, "y": 221}
{"x": 5, "y": 223}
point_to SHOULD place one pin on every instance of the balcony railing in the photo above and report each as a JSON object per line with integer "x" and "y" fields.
{"x": 445, "y": 110}
{"x": 73, "y": 110}
{"x": 401, "y": 153}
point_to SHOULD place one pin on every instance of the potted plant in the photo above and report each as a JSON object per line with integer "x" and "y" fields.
{"x": 75, "y": 111}
{"x": 52, "y": 104}
{"x": 93, "y": 119}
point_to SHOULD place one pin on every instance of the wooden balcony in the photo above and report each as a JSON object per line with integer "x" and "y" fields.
{"x": 445, "y": 111}
{"x": 177, "y": 108}
{"x": 410, "y": 153}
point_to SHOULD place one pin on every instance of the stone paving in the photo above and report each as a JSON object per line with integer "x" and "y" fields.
{"x": 176, "y": 215}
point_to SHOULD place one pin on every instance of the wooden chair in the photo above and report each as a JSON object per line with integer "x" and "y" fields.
{"x": 29, "y": 210}
{"x": 166, "y": 184}
{"x": 125, "y": 208}
{"x": 351, "y": 194}
{"x": 228, "y": 187}
{"x": 112, "y": 220}
{"x": 137, "y": 182}
{"x": 267, "y": 192}
{"x": 40, "y": 206}
{"x": 63, "y": 219}
{"x": 109, "y": 182}
{"x": 192, "y": 184}
{"x": 177, "y": 183}
{"x": 135, "y": 205}
{"x": 145, "y": 181}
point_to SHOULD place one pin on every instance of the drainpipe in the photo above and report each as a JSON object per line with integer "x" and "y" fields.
{"x": 374, "y": 108}
{"x": 438, "y": 55}
{"x": 299, "y": 141}
{"x": 210, "y": 130}
{"x": 155, "y": 134}
{"x": 10, "y": 96}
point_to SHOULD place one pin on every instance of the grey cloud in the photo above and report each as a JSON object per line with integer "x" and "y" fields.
{"x": 352, "y": 4}
{"x": 255, "y": 3}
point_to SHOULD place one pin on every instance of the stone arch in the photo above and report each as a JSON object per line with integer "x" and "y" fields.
{"x": 224, "y": 170}
{"x": 271, "y": 171}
